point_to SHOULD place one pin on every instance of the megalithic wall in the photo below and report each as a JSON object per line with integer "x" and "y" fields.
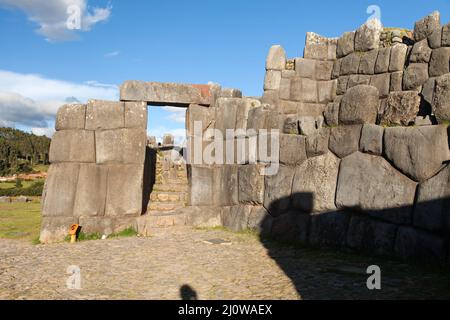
{"x": 97, "y": 164}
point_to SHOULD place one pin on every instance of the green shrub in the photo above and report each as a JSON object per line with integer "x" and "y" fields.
{"x": 35, "y": 190}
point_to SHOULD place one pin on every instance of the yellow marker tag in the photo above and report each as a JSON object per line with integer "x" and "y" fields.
{"x": 73, "y": 229}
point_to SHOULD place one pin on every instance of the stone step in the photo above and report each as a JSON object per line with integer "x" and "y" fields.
{"x": 168, "y": 196}
{"x": 170, "y": 187}
{"x": 165, "y": 206}
{"x": 159, "y": 220}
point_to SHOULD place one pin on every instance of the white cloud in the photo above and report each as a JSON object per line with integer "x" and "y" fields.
{"x": 32, "y": 100}
{"x": 178, "y": 133}
{"x": 43, "y": 131}
{"x": 112, "y": 54}
{"x": 52, "y": 16}
{"x": 177, "y": 114}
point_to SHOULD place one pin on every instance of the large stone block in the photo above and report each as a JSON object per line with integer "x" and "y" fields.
{"x": 414, "y": 244}
{"x": 317, "y": 143}
{"x": 344, "y": 140}
{"x": 446, "y": 36}
{"x": 396, "y": 81}
{"x": 201, "y": 185}
{"x": 70, "y": 116}
{"x": 121, "y": 146}
{"x": 204, "y": 116}
{"x": 426, "y": 26}
{"x": 371, "y": 236}
{"x": 55, "y": 229}
{"x": 276, "y": 59}
{"x": 336, "y": 69}
{"x": 346, "y": 44}
{"x": 286, "y": 228}
{"x": 328, "y": 229}
{"x": 367, "y": 36}
{"x": 382, "y": 83}
{"x": 316, "y": 47}
{"x": 434, "y": 39}
{"x": 323, "y": 70}
{"x": 158, "y": 93}
{"x": 136, "y": 115}
{"x": 277, "y": 190}
{"x": 350, "y": 64}
{"x": 359, "y": 105}
{"x": 60, "y": 189}
{"x": 304, "y": 90}
{"x": 120, "y": 200}
{"x": 441, "y": 99}
{"x": 432, "y": 210}
{"x": 251, "y": 184}
{"x": 91, "y": 191}
{"x": 440, "y": 62}
{"x": 370, "y": 184}
{"x": 371, "y": 139}
{"x": 398, "y": 57}
{"x": 326, "y": 91}
{"x": 417, "y": 151}
{"x": 203, "y": 216}
{"x": 367, "y": 63}
{"x": 314, "y": 185}
{"x": 292, "y": 149}
{"x": 102, "y": 115}
{"x": 226, "y": 188}
{"x": 383, "y": 58}
{"x": 260, "y": 220}
{"x": 428, "y": 90}
{"x": 226, "y": 113}
{"x": 358, "y": 79}
{"x": 342, "y": 85}
{"x": 101, "y": 225}
{"x": 331, "y": 113}
{"x": 236, "y": 217}
{"x": 421, "y": 52}
{"x": 401, "y": 108}
{"x": 305, "y": 68}
{"x": 415, "y": 75}
{"x": 272, "y": 80}
{"x": 72, "y": 146}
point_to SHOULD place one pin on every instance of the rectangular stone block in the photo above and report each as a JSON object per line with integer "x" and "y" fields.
{"x": 101, "y": 225}
{"x": 201, "y": 185}
{"x": 272, "y": 80}
{"x": 398, "y": 57}
{"x": 382, "y": 83}
{"x": 305, "y": 68}
{"x": 125, "y": 146}
{"x": 326, "y": 91}
{"x": 323, "y": 70}
{"x": 345, "y": 44}
{"x": 304, "y": 90}
{"x": 316, "y": 47}
{"x": 60, "y": 189}
{"x": 201, "y": 114}
{"x": 292, "y": 149}
{"x": 72, "y": 146}
{"x": 136, "y": 115}
{"x": 70, "y": 116}
{"x": 102, "y": 115}
{"x": 124, "y": 190}
{"x": 350, "y": 64}
{"x": 328, "y": 229}
{"x": 336, "y": 69}
{"x": 367, "y": 62}
{"x": 226, "y": 190}
{"x": 251, "y": 184}
{"x": 285, "y": 88}
{"x": 382, "y": 63}
{"x": 91, "y": 191}
{"x": 357, "y": 79}
{"x": 342, "y": 85}
{"x": 396, "y": 81}
{"x": 55, "y": 229}
{"x": 226, "y": 113}
{"x": 174, "y": 94}
{"x": 278, "y": 190}
{"x": 439, "y": 62}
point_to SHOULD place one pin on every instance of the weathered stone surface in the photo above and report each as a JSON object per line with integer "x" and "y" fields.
{"x": 290, "y": 124}
{"x": 316, "y": 47}
{"x": 401, "y": 108}
{"x": 136, "y": 115}
{"x": 5, "y": 199}
{"x": 413, "y": 243}
{"x": 432, "y": 210}
{"x": 103, "y": 115}
{"x": 201, "y": 185}
{"x": 331, "y": 113}
{"x": 235, "y": 218}
{"x": 243, "y": 110}
{"x": 102, "y": 225}
{"x": 230, "y": 93}
{"x": 276, "y": 59}
{"x": 317, "y": 143}
{"x": 396, "y": 81}
{"x": 91, "y": 191}
{"x": 122, "y": 201}
{"x": 346, "y": 44}
{"x": 441, "y": 99}
{"x": 428, "y": 90}
{"x": 426, "y": 26}
{"x": 415, "y": 75}
{"x": 60, "y": 189}
{"x": 291, "y": 227}
{"x": 350, "y": 64}
{"x": 446, "y": 35}
{"x": 272, "y": 80}
{"x": 263, "y": 117}
{"x": 344, "y": 140}
{"x": 371, "y": 139}
{"x": 336, "y": 69}
{"x": 382, "y": 83}
{"x": 369, "y": 183}
{"x": 342, "y": 85}
{"x": 367, "y": 36}
{"x": 305, "y": 68}
{"x": 285, "y": 88}
{"x": 398, "y": 57}
{"x": 260, "y": 220}
{"x": 72, "y": 146}
{"x": 309, "y": 125}
{"x": 55, "y": 229}
{"x": 226, "y": 188}
{"x": 367, "y": 63}
{"x": 314, "y": 185}
{"x": 204, "y": 117}
{"x": 323, "y": 70}
{"x": 357, "y": 79}
{"x": 70, "y": 116}
{"x": 423, "y": 121}
{"x": 383, "y": 58}
{"x": 359, "y": 105}
{"x": 304, "y": 90}
{"x": 371, "y": 236}
{"x": 159, "y": 93}
{"x": 121, "y": 146}
{"x": 203, "y": 216}
{"x": 434, "y": 39}
{"x": 439, "y": 62}
{"x": 326, "y": 90}
{"x": 292, "y": 149}
{"x": 421, "y": 52}
{"x": 277, "y": 190}
{"x": 251, "y": 184}
{"x": 417, "y": 152}
{"x": 328, "y": 229}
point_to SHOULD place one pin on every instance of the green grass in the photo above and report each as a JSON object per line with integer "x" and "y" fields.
{"x": 129, "y": 232}
{"x": 20, "y": 220}
{"x": 40, "y": 168}
{"x": 12, "y": 184}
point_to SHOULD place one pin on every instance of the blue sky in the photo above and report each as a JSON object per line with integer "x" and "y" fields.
{"x": 175, "y": 41}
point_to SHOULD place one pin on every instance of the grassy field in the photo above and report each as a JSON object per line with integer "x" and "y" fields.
{"x": 12, "y": 184}
{"x": 20, "y": 220}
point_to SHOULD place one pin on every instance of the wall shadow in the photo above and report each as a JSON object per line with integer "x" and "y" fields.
{"x": 323, "y": 243}
{"x": 188, "y": 293}
{"x": 149, "y": 176}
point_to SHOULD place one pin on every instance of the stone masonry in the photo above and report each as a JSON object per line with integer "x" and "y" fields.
{"x": 363, "y": 148}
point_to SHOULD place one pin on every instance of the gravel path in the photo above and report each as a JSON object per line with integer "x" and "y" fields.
{"x": 158, "y": 267}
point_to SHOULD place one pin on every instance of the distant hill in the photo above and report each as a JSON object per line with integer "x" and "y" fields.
{"x": 21, "y": 151}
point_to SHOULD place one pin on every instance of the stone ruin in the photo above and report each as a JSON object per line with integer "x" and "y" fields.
{"x": 363, "y": 149}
